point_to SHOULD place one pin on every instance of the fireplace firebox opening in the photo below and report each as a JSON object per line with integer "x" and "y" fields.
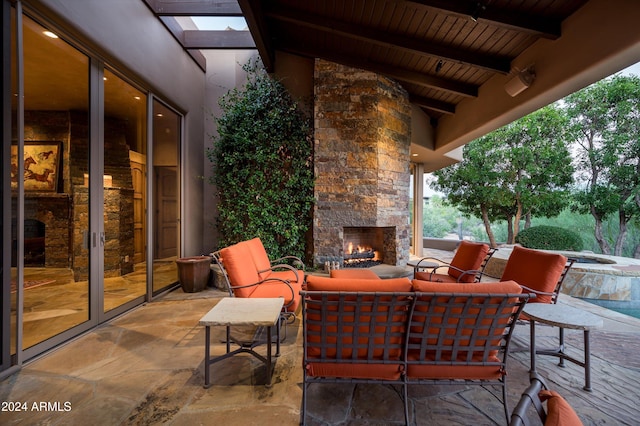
{"x": 366, "y": 246}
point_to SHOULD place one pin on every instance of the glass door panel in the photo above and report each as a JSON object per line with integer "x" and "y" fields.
{"x": 9, "y": 329}
{"x": 125, "y": 195}
{"x": 166, "y": 232}
{"x": 53, "y": 161}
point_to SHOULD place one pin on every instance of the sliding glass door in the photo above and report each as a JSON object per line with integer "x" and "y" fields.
{"x": 166, "y": 190}
{"x": 92, "y": 159}
{"x": 50, "y": 201}
{"x": 124, "y": 192}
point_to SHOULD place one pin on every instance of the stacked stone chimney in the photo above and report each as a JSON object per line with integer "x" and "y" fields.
{"x": 362, "y": 139}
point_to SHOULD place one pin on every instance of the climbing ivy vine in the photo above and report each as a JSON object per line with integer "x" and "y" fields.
{"x": 262, "y": 166}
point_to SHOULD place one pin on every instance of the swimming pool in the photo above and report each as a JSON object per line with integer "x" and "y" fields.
{"x": 628, "y": 308}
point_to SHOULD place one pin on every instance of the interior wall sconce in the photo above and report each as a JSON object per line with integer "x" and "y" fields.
{"x": 520, "y": 82}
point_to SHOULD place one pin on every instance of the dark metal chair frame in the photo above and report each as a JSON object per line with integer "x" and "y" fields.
{"x": 529, "y": 399}
{"x": 477, "y": 272}
{"x": 337, "y": 325}
{"x": 464, "y": 330}
{"x": 340, "y": 322}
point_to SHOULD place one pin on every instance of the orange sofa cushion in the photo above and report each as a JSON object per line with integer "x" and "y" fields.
{"x": 440, "y": 278}
{"x": 237, "y": 261}
{"x": 535, "y": 269}
{"x": 431, "y": 371}
{"x": 494, "y": 287}
{"x": 317, "y": 283}
{"x": 355, "y": 371}
{"x": 358, "y": 273}
{"x": 469, "y": 256}
{"x": 559, "y": 412}
{"x": 324, "y": 323}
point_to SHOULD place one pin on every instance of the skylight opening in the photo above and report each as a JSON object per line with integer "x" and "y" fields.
{"x": 236, "y": 23}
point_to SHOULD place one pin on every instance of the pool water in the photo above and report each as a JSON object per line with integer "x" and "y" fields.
{"x": 628, "y": 308}
{"x": 628, "y": 311}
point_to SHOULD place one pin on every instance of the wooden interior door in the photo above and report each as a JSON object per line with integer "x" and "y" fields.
{"x": 139, "y": 173}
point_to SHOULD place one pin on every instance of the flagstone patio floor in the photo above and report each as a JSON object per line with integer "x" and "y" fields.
{"x": 146, "y": 368}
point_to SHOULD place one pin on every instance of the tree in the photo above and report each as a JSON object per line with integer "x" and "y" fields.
{"x": 262, "y": 166}
{"x": 605, "y": 129}
{"x": 521, "y": 169}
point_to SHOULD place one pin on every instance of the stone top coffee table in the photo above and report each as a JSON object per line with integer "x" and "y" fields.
{"x": 237, "y": 311}
{"x": 562, "y": 316}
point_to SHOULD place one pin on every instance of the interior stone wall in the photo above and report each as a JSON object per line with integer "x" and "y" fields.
{"x": 362, "y": 125}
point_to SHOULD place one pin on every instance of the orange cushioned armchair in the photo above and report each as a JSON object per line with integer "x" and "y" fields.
{"x": 539, "y": 272}
{"x": 249, "y": 273}
{"x": 466, "y": 266}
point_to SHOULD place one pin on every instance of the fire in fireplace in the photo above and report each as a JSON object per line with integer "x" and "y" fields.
{"x": 361, "y": 255}
{"x": 365, "y": 246}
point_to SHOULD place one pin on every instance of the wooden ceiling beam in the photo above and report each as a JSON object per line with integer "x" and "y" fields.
{"x": 200, "y": 39}
{"x": 254, "y": 15}
{"x": 195, "y": 7}
{"x": 394, "y": 41}
{"x": 433, "y": 104}
{"x": 403, "y": 75}
{"x": 482, "y": 11}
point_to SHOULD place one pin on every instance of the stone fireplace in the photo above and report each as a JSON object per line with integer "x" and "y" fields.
{"x": 362, "y": 140}
{"x": 368, "y": 245}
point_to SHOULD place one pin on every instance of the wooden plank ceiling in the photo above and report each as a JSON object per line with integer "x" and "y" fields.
{"x": 441, "y": 51}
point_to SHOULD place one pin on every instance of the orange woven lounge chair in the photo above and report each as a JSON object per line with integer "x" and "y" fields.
{"x": 440, "y": 333}
{"x": 248, "y": 272}
{"x": 466, "y": 266}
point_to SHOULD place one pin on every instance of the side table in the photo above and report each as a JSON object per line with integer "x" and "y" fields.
{"x": 562, "y": 316}
{"x": 424, "y": 265}
{"x": 237, "y": 311}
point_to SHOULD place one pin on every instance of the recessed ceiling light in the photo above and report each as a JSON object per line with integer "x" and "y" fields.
{"x": 49, "y": 34}
{"x": 159, "y": 114}
{"x": 414, "y": 155}
{"x": 137, "y": 98}
{"x": 104, "y": 78}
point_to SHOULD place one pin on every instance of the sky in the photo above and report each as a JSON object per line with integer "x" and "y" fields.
{"x": 633, "y": 69}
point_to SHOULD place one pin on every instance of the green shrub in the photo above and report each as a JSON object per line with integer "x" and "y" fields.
{"x": 545, "y": 237}
{"x": 262, "y": 166}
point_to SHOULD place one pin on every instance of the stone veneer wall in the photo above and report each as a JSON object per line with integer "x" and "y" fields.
{"x": 65, "y": 213}
{"x": 362, "y": 138}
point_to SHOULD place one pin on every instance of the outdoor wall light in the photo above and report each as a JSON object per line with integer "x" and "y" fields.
{"x": 520, "y": 82}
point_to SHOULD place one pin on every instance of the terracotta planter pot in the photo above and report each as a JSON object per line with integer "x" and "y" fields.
{"x": 194, "y": 273}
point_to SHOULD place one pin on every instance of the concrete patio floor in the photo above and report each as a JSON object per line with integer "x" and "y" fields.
{"x": 146, "y": 367}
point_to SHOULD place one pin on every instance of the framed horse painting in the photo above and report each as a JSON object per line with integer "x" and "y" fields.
{"x": 41, "y": 166}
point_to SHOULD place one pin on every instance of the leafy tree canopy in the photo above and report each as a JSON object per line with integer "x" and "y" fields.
{"x": 520, "y": 169}
{"x": 605, "y": 131}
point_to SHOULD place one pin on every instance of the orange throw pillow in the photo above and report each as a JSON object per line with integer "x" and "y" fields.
{"x": 559, "y": 412}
